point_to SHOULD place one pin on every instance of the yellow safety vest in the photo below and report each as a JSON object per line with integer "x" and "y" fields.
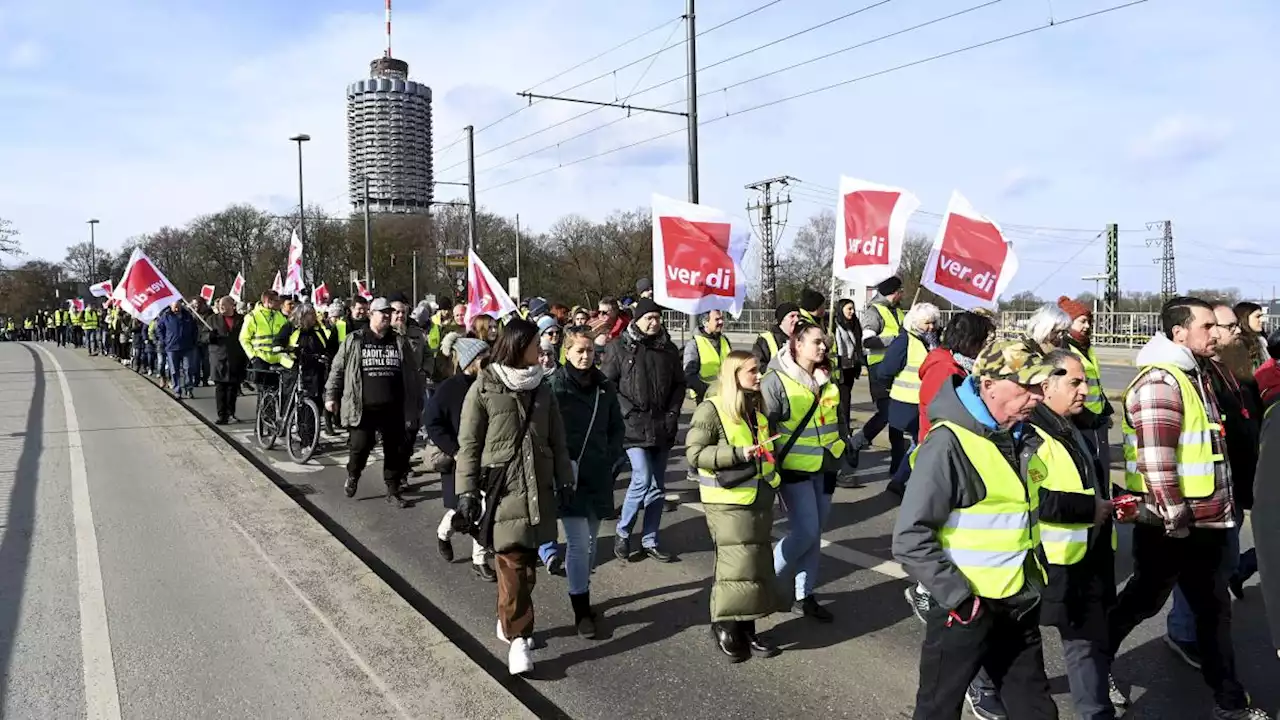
{"x": 287, "y": 360}
{"x": 1195, "y": 455}
{"x": 75, "y": 318}
{"x": 771, "y": 342}
{"x": 258, "y": 335}
{"x": 906, "y": 385}
{"x": 28, "y": 324}
{"x": 738, "y": 433}
{"x": 989, "y": 542}
{"x": 893, "y": 320}
{"x": 1053, "y": 469}
{"x": 1094, "y": 401}
{"x": 822, "y": 434}
{"x": 433, "y": 336}
{"x": 89, "y": 320}
{"x": 809, "y": 318}
{"x": 711, "y": 357}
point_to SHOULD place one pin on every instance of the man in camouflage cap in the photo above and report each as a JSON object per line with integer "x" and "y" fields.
{"x": 965, "y": 533}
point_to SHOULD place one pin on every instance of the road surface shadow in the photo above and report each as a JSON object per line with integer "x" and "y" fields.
{"x": 15, "y": 548}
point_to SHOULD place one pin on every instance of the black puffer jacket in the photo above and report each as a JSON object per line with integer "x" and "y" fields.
{"x": 650, "y": 381}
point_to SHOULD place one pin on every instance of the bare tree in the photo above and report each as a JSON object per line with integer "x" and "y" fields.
{"x": 8, "y": 246}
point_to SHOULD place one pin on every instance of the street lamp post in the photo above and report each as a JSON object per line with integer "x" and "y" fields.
{"x": 302, "y": 213}
{"x": 93, "y": 251}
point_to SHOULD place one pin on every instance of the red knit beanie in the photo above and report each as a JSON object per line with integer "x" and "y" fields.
{"x": 1073, "y": 308}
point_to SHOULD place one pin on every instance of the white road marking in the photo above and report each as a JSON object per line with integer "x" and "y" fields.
{"x": 369, "y": 672}
{"x": 884, "y": 567}
{"x": 101, "y": 694}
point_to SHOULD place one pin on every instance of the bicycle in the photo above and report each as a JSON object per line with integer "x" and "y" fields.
{"x": 300, "y": 421}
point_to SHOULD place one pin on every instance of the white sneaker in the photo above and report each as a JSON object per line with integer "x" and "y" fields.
{"x": 519, "y": 659}
{"x": 501, "y": 637}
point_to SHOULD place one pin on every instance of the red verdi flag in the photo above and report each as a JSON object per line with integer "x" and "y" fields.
{"x": 237, "y": 287}
{"x": 278, "y": 284}
{"x": 362, "y": 291}
{"x": 320, "y": 295}
{"x": 485, "y": 295}
{"x": 144, "y": 292}
{"x": 102, "y": 289}
{"x": 206, "y": 292}
{"x": 871, "y": 228}
{"x": 697, "y": 255}
{"x": 971, "y": 263}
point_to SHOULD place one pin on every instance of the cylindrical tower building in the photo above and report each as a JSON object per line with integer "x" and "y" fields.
{"x": 389, "y": 140}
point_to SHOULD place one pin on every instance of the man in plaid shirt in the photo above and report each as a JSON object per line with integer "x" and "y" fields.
{"x": 1175, "y": 459}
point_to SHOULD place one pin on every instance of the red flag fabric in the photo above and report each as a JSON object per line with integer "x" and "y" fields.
{"x": 320, "y": 296}
{"x": 277, "y": 284}
{"x": 293, "y": 267}
{"x": 362, "y": 291}
{"x": 971, "y": 262}
{"x": 697, "y": 255}
{"x": 102, "y": 289}
{"x": 237, "y": 287}
{"x": 485, "y": 295}
{"x": 206, "y": 292}
{"x": 144, "y": 292}
{"x": 871, "y": 229}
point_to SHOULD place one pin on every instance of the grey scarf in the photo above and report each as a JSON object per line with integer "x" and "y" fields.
{"x": 519, "y": 380}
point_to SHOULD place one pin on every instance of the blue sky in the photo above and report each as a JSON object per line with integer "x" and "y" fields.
{"x": 143, "y": 113}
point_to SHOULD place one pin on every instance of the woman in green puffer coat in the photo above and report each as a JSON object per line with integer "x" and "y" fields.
{"x": 594, "y": 430}
{"x": 730, "y": 446}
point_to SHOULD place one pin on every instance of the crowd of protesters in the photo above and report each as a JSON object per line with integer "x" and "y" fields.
{"x": 999, "y": 456}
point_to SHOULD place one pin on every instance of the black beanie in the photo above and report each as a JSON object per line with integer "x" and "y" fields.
{"x": 810, "y": 300}
{"x": 784, "y": 310}
{"x": 889, "y": 286}
{"x": 643, "y": 307}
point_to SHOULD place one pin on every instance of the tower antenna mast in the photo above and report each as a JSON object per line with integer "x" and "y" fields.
{"x": 388, "y": 28}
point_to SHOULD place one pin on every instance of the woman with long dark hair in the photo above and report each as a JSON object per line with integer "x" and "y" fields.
{"x": 512, "y": 449}
{"x": 802, "y": 405}
{"x": 1252, "y": 333}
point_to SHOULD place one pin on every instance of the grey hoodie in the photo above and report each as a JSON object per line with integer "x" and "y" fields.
{"x": 943, "y": 479}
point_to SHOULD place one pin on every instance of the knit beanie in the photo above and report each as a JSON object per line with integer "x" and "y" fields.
{"x": 784, "y": 310}
{"x": 468, "y": 349}
{"x": 643, "y": 307}
{"x": 545, "y": 323}
{"x": 537, "y": 306}
{"x": 889, "y": 286}
{"x": 1073, "y": 308}
{"x": 811, "y": 300}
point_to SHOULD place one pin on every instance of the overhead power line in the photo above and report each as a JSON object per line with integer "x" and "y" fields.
{"x": 615, "y": 48}
{"x": 720, "y": 89}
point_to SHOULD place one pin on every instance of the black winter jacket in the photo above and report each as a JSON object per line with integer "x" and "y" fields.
{"x": 646, "y": 371}
{"x": 1241, "y": 407}
{"x": 444, "y": 413}
{"x": 228, "y": 363}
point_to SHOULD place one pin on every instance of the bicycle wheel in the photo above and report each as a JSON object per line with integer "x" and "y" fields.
{"x": 304, "y": 430}
{"x": 267, "y": 422}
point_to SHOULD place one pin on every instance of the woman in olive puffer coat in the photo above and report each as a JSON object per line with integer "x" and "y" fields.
{"x": 538, "y": 475}
{"x": 736, "y": 486}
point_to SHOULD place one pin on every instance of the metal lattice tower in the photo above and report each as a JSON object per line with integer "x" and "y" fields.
{"x": 1168, "y": 275}
{"x": 1111, "y": 297}
{"x": 389, "y": 140}
{"x": 769, "y": 227}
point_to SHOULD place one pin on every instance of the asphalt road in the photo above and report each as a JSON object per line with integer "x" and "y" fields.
{"x": 656, "y": 659}
{"x": 147, "y": 570}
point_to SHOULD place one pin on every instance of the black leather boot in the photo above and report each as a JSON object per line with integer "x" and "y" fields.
{"x": 393, "y": 495}
{"x": 730, "y": 641}
{"x": 583, "y": 616}
{"x": 759, "y": 646}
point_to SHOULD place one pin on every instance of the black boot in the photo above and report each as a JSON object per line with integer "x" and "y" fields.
{"x": 730, "y": 641}
{"x": 759, "y": 646}
{"x": 583, "y": 616}
{"x": 393, "y": 495}
{"x": 350, "y": 487}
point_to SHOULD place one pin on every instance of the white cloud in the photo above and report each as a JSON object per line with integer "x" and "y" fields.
{"x": 1020, "y": 181}
{"x": 1181, "y": 139}
{"x": 23, "y": 55}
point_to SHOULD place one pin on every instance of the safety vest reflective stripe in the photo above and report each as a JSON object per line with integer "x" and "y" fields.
{"x": 771, "y": 343}
{"x": 1196, "y": 459}
{"x": 822, "y": 432}
{"x": 990, "y": 541}
{"x": 1093, "y": 401}
{"x": 710, "y": 357}
{"x": 263, "y": 324}
{"x": 90, "y": 320}
{"x": 1053, "y": 469}
{"x": 738, "y": 434}
{"x": 906, "y": 385}
{"x": 892, "y": 326}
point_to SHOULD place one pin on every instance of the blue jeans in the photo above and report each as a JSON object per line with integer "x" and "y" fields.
{"x": 580, "y": 551}
{"x": 181, "y": 369}
{"x": 807, "y": 509}
{"x": 1181, "y": 623}
{"x": 648, "y": 481}
{"x": 92, "y": 340}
